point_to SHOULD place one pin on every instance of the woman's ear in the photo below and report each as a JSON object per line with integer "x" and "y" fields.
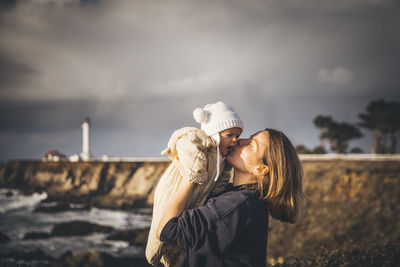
{"x": 260, "y": 170}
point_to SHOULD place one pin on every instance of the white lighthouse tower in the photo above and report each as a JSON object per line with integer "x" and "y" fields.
{"x": 86, "y": 139}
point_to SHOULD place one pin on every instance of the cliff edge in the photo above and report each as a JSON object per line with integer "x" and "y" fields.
{"x": 116, "y": 185}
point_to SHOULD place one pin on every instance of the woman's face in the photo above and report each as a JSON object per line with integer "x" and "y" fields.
{"x": 228, "y": 140}
{"x": 250, "y": 152}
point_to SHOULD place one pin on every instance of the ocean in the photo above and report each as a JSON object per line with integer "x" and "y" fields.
{"x": 17, "y": 218}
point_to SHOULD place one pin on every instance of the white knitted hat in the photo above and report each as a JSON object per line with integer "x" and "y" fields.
{"x": 217, "y": 117}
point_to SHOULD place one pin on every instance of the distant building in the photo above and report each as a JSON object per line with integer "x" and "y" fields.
{"x": 74, "y": 158}
{"x": 54, "y": 155}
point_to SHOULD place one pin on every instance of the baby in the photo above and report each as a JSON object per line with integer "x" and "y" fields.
{"x": 198, "y": 156}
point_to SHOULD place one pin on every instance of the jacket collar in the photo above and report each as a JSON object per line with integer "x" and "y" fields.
{"x": 231, "y": 187}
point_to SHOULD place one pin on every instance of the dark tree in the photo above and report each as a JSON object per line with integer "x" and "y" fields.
{"x": 318, "y": 150}
{"x": 382, "y": 120}
{"x": 323, "y": 123}
{"x": 302, "y": 149}
{"x": 338, "y": 134}
{"x": 356, "y": 150}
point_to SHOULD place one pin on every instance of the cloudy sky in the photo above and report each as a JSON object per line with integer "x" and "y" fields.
{"x": 138, "y": 68}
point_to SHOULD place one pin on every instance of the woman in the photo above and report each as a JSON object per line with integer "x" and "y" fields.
{"x": 231, "y": 229}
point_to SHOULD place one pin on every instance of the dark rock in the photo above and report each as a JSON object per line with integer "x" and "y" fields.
{"x": 124, "y": 235}
{"x": 79, "y": 228}
{"x": 139, "y": 203}
{"x": 57, "y": 208}
{"x": 137, "y": 237}
{"x": 4, "y": 238}
{"x": 12, "y": 263}
{"x": 141, "y": 238}
{"x": 36, "y": 235}
{"x": 96, "y": 258}
{"x": 65, "y": 255}
{"x": 34, "y": 255}
{"x": 9, "y": 194}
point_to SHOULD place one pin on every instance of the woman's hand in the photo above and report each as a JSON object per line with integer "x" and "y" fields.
{"x": 176, "y": 205}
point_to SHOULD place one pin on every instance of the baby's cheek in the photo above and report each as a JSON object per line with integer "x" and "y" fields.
{"x": 223, "y": 147}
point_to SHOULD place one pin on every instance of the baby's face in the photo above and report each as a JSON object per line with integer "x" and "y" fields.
{"x": 228, "y": 140}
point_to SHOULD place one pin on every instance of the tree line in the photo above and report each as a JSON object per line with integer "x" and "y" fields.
{"x": 381, "y": 119}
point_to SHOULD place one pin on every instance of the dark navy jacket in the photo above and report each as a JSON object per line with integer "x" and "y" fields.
{"x": 230, "y": 230}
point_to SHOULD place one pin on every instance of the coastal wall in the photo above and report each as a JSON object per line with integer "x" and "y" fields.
{"x": 351, "y": 201}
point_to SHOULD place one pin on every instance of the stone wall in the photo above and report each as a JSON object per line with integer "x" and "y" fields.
{"x": 355, "y": 201}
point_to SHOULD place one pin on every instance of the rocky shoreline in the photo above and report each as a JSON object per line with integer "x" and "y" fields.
{"x": 75, "y": 228}
{"x": 38, "y": 257}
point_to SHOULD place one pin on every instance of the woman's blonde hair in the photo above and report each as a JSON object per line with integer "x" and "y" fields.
{"x": 282, "y": 186}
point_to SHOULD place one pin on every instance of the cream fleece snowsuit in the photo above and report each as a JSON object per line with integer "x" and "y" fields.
{"x": 194, "y": 157}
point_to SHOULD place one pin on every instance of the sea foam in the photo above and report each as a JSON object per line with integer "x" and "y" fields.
{"x": 12, "y": 200}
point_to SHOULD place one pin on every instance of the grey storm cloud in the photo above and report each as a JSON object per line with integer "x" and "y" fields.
{"x": 14, "y": 74}
{"x": 138, "y": 68}
{"x": 31, "y": 117}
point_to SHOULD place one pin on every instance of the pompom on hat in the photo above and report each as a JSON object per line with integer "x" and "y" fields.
{"x": 217, "y": 117}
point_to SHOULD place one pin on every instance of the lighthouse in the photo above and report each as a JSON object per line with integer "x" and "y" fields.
{"x": 86, "y": 139}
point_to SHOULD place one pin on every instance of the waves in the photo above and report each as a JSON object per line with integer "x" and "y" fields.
{"x": 114, "y": 218}
{"x": 18, "y": 218}
{"x": 12, "y": 200}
